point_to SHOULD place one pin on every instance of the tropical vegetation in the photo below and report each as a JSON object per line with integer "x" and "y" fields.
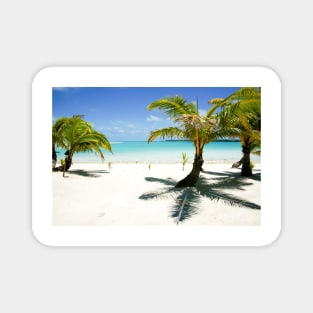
{"x": 74, "y": 135}
{"x": 241, "y": 115}
{"x": 200, "y": 129}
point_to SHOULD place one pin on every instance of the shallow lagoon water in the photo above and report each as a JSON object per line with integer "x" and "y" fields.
{"x": 161, "y": 152}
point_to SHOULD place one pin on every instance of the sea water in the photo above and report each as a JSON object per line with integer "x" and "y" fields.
{"x": 161, "y": 152}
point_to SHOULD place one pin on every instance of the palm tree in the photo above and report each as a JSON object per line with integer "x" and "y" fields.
{"x": 76, "y": 135}
{"x": 242, "y": 111}
{"x": 191, "y": 125}
{"x": 57, "y": 137}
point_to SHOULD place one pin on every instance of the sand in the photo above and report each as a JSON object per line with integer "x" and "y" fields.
{"x": 133, "y": 194}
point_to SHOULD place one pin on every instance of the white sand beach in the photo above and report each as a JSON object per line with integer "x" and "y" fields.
{"x": 131, "y": 194}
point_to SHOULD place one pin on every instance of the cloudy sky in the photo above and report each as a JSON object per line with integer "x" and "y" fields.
{"x": 121, "y": 113}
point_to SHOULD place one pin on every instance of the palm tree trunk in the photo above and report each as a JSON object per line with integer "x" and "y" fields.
{"x": 54, "y": 157}
{"x": 193, "y": 176}
{"x": 68, "y": 163}
{"x": 246, "y": 166}
{"x": 68, "y": 159}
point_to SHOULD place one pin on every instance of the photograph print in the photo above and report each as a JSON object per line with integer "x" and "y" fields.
{"x": 163, "y": 156}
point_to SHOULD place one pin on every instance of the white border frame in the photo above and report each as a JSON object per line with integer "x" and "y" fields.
{"x": 51, "y": 235}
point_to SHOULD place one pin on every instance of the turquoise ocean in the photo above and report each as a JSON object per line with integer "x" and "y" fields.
{"x": 161, "y": 152}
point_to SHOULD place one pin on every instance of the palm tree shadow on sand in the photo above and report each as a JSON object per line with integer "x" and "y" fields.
{"x": 186, "y": 200}
{"x": 96, "y": 173}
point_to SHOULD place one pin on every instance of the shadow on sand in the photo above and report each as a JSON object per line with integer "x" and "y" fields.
{"x": 186, "y": 200}
{"x": 87, "y": 173}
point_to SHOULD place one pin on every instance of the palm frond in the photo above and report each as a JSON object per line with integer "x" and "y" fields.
{"x": 217, "y": 101}
{"x": 244, "y": 122}
{"x": 168, "y": 132}
{"x": 242, "y": 94}
{"x": 173, "y": 106}
{"x": 212, "y": 110}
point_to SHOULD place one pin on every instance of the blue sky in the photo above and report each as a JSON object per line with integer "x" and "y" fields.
{"x": 121, "y": 113}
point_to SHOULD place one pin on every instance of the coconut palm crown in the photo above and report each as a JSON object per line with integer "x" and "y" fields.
{"x": 191, "y": 126}
{"x": 76, "y": 135}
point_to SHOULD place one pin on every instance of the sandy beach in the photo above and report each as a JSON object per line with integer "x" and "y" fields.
{"x": 133, "y": 194}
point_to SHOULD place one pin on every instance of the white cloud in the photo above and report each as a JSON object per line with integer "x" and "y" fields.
{"x": 118, "y": 130}
{"x": 113, "y": 130}
{"x": 153, "y": 118}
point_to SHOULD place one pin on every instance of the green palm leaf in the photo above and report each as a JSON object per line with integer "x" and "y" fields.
{"x": 169, "y": 132}
{"x": 173, "y": 106}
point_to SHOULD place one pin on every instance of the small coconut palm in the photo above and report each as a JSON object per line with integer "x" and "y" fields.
{"x": 63, "y": 165}
{"x": 76, "y": 135}
{"x": 185, "y": 159}
{"x": 191, "y": 125}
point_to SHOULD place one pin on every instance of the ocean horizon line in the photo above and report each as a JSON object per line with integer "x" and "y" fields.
{"x": 170, "y": 140}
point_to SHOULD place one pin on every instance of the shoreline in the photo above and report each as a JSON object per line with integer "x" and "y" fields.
{"x": 225, "y": 161}
{"x": 132, "y": 194}
{"x": 162, "y": 152}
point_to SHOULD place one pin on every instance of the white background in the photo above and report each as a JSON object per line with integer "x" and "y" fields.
{"x": 37, "y": 34}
